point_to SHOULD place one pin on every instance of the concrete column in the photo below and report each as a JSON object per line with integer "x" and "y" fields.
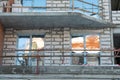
{"x": 1, "y": 42}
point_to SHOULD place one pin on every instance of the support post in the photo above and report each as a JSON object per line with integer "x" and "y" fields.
{"x": 72, "y": 5}
{"x": 37, "y": 67}
{"x": 1, "y": 42}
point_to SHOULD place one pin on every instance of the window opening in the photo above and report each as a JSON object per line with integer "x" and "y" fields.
{"x": 116, "y": 38}
{"x": 88, "y": 45}
{"x": 28, "y": 43}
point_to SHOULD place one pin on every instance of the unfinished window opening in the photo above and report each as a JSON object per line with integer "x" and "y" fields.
{"x": 29, "y": 43}
{"x": 116, "y": 38}
{"x": 86, "y": 46}
{"x": 34, "y": 4}
{"x": 115, "y": 5}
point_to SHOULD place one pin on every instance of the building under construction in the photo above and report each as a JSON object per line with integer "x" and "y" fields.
{"x": 60, "y": 39}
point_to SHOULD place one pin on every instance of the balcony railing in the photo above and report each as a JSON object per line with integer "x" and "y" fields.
{"x": 37, "y": 59}
{"x": 82, "y": 6}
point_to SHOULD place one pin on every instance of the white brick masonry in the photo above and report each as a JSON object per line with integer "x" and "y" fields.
{"x": 56, "y": 39}
{"x": 106, "y": 44}
{"x": 105, "y": 14}
{"x": 9, "y": 43}
{"x": 116, "y": 17}
{"x": 58, "y": 5}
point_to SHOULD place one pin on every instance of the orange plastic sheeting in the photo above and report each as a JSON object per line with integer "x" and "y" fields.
{"x": 92, "y": 42}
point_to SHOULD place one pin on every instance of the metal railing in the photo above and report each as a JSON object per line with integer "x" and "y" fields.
{"x": 82, "y": 6}
{"x": 36, "y": 57}
{"x": 42, "y": 53}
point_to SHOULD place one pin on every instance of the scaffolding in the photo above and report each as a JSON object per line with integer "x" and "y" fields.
{"x": 82, "y": 6}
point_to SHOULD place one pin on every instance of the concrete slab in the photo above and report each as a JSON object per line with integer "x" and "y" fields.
{"x": 51, "y": 19}
{"x": 59, "y": 77}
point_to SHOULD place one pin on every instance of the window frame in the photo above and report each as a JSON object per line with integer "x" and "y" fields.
{"x": 31, "y": 37}
{"x": 84, "y": 52}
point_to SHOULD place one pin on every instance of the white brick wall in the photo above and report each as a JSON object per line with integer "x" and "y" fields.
{"x": 116, "y": 17}
{"x": 106, "y": 44}
{"x": 56, "y": 38}
{"x": 9, "y": 43}
{"x": 105, "y": 14}
{"x": 56, "y": 41}
{"x": 58, "y": 5}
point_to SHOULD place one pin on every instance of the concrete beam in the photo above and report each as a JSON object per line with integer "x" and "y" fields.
{"x": 51, "y": 19}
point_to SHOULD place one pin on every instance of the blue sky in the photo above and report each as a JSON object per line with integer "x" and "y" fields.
{"x": 34, "y": 2}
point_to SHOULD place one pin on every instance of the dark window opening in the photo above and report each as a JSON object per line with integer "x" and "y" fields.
{"x": 115, "y": 5}
{"x": 116, "y": 38}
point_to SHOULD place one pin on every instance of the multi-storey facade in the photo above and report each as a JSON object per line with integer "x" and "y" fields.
{"x": 57, "y": 34}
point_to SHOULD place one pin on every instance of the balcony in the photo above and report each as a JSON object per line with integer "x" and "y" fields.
{"x": 74, "y": 13}
{"x": 37, "y": 63}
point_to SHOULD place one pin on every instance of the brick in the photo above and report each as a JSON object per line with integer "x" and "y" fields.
{"x": 8, "y": 36}
{"x": 47, "y": 47}
{"x": 66, "y": 29}
{"x": 8, "y": 43}
{"x": 58, "y": 46}
{"x": 105, "y": 47}
{"x": 105, "y": 40}
{"x": 58, "y": 39}
{"x": 49, "y": 5}
{"x": 57, "y": 53}
{"x": 11, "y": 46}
{"x": 67, "y": 61}
{"x": 47, "y": 58}
{"x": 67, "y": 42}
{"x": 47, "y": 61}
{"x": 47, "y": 39}
{"x": 10, "y": 54}
{"x": 59, "y": 32}
{"x": 56, "y": 9}
{"x": 47, "y": 53}
{"x": 56, "y": 2}
{"x": 67, "y": 35}
{"x": 54, "y": 5}
{"x": 66, "y": 39}
{"x": 55, "y": 35}
{"x": 49, "y": 1}
{"x": 66, "y": 32}
{"x": 67, "y": 46}
{"x": 107, "y": 32}
{"x": 8, "y": 32}
{"x": 11, "y": 39}
{"x": 55, "y": 43}
{"x": 57, "y": 58}
{"x": 58, "y": 61}
{"x": 60, "y": 5}
{"x": 66, "y": 1}
{"x": 48, "y": 35}
{"x": 105, "y": 36}
{"x": 107, "y": 43}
